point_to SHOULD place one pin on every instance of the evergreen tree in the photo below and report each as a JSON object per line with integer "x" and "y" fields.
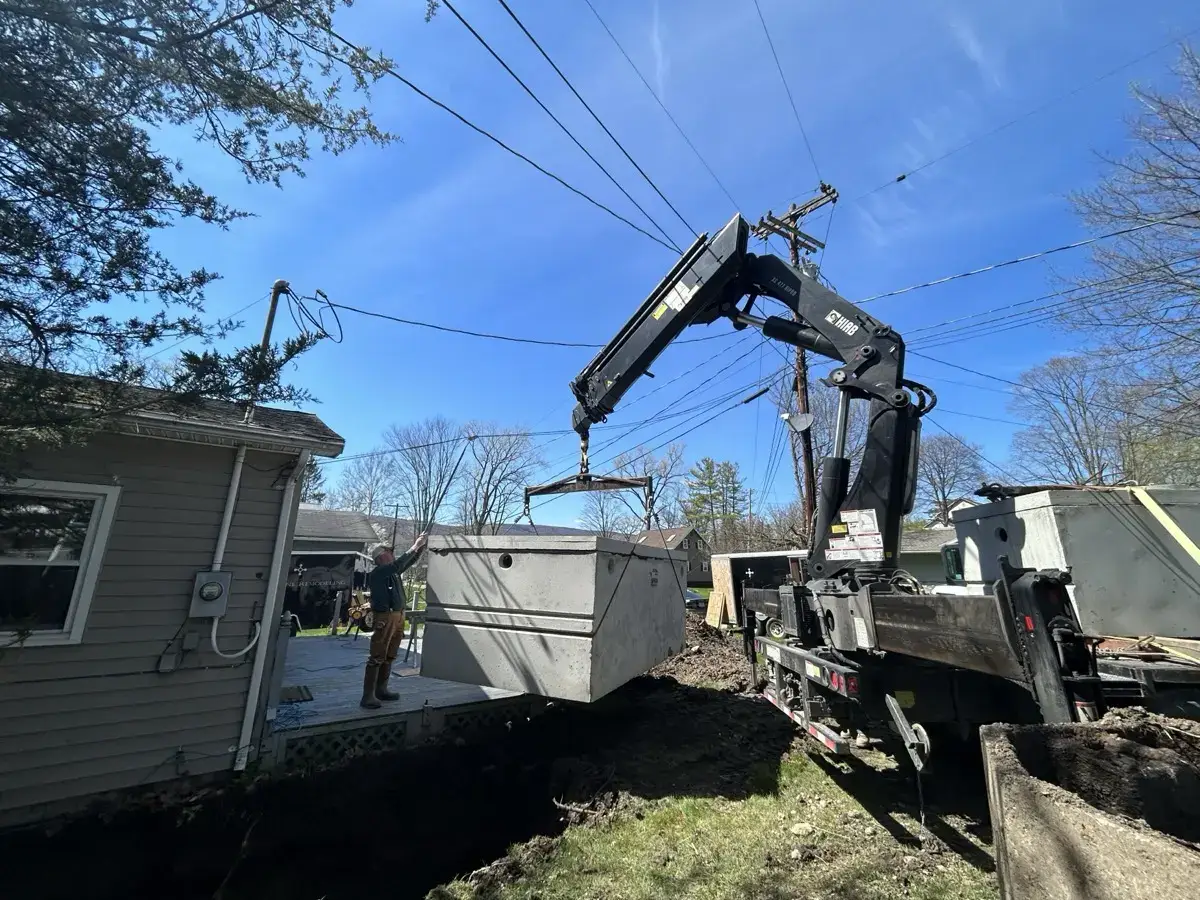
{"x": 700, "y": 500}
{"x": 312, "y": 483}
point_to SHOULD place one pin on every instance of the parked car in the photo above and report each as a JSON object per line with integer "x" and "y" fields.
{"x": 693, "y": 600}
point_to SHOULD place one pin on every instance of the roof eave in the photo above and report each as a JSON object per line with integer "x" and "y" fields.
{"x": 253, "y": 436}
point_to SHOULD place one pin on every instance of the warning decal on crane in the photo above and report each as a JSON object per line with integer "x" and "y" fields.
{"x": 679, "y": 294}
{"x": 863, "y": 541}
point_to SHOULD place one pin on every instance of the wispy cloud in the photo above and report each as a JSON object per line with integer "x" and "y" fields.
{"x": 989, "y": 61}
{"x": 660, "y": 57}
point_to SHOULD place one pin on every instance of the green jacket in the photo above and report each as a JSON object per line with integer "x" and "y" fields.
{"x": 386, "y": 585}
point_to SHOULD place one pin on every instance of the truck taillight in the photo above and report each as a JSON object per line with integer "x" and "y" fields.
{"x": 1029, "y": 624}
{"x": 851, "y": 684}
{"x": 835, "y": 681}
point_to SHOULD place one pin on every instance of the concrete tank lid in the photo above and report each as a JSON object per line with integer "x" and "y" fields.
{"x": 1165, "y": 494}
{"x": 562, "y": 543}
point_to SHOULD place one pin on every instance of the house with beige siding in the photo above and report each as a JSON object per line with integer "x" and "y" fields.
{"x": 116, "y": 672}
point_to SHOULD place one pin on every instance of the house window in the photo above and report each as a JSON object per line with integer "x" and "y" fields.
{"x": 52, "y": 539}
{"x": 684, "y": 545}
{"x": 704, "y": 565}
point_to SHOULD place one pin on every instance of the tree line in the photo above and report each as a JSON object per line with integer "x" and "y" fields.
{"x": 472, "y": 475}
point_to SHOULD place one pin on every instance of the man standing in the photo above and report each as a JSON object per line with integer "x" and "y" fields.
{"x": 387, "y": 605}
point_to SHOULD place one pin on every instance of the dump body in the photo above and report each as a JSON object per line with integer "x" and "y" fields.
{"x": 568, "y": 617}
{"x": 1090, "y": 812}
{"x": 1129, "y": 575}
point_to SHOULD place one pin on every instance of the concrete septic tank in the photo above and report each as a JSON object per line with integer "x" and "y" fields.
{"x": 1129, "y": 576}
{"x": 569, "y": 617}
{"x": 1094, "y": 812}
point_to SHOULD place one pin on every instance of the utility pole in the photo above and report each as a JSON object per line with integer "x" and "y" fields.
{"x": 277, "y": 290}
{"x": 787, "y": 226}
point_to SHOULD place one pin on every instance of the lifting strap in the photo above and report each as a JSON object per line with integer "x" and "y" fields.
{"x": 1165, "y": 520}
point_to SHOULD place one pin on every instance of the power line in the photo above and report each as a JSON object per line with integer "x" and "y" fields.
{"x": 1050, "y": 296}
{"x": 519, "y": 155}
{"x": 787, "y": 89}
{"x": 681, "y": 375}
{"x": 660, "y": 413}
{"x": 1032, "y": 256}
{"x": 492, "y": 336}
{"x": 182, "y": 341}
{"x": 664, "y": 412}
{"x": 1023, "y": 116}
{"x": 676, "y": 437}
{"x": 955, "y": 412}
{"x": 1049, "y": 312}
{"x": 959, "y": 440}
{"x": 599, "y": 122}
{"x": 661, "y": 105}
{"x": 558, "y": 122}
{"x": 1144, "y": 420}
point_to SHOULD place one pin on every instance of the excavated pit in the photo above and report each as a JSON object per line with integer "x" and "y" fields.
{"x": 399, "y": 825}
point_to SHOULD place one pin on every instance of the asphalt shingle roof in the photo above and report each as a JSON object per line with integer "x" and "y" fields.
{"x": 925, "y": 540}
{"x": 163, "y": 408}
{"x": 667, "y": 538}
{"x": 334, "y": 524}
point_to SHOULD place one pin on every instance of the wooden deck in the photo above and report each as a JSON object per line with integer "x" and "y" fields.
{"x": 333, "y": 724}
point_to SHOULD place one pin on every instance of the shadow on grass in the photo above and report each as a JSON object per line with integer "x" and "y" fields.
{"x": 951, "y": 790}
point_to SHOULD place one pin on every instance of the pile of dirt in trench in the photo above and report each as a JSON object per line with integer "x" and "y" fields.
{"x": 710, "y": 658}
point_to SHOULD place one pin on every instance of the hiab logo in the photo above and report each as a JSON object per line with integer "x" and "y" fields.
{"x": 840, "y": 322}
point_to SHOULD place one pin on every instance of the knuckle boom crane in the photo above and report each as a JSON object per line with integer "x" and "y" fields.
{"x": 859, "y": 628}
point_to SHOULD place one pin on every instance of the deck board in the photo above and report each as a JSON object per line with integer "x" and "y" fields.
{"x": 332, "y": 668}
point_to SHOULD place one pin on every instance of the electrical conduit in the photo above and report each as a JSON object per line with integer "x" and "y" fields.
{"x": 235, "y": 481}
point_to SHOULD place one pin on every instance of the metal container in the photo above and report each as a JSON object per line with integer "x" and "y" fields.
{"x": 1130, "y": 576}
{"x": 569, "y": 617}
{"x": 1092, "y": 812}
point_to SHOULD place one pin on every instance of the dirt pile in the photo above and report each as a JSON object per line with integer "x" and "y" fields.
{"x": 1139, "y": 766}
{"x": 1181, "y": 736}
{"x": 710, "y": 658}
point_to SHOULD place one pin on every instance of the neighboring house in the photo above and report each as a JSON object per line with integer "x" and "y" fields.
{"x": 108, "y": 682}
{"x": 921, "y": 553}
{"x": 687, "y": 539}
{"x": 945, "y": 521}
{"x": 330, "y": 553}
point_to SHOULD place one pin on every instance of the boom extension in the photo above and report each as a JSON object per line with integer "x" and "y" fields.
{"x": 858, "y": 526}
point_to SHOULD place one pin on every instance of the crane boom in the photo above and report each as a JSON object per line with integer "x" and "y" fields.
{"x": 858, "y": 526}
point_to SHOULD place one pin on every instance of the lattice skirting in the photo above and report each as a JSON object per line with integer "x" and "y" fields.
{"x": 336, "y": 744}
{"x": 333, "y": 747}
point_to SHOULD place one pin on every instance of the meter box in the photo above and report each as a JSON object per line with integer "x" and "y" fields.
{"x": 210, "y": 595}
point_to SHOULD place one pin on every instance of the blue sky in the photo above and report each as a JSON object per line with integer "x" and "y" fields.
{"x": 445, "y": 227}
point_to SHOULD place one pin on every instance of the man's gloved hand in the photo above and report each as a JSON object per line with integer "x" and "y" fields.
{"x": 419, "y": 543}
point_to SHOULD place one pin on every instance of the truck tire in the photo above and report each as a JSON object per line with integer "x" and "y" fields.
{"x": 774, "y": 629}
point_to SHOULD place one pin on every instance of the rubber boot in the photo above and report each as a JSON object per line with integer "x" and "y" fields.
{"x": 369, "y": 700}
{"x": 381, "y": 686}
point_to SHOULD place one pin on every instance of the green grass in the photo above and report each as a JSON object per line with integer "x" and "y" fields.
{"x": 702, "y": 591}
{"x": 717, "y": 849}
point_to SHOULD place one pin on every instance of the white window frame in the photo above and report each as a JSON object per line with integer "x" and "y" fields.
{"x": 105, "y": 498}
{"x": 704, "y": 565}
{"x": 685, "y": 544}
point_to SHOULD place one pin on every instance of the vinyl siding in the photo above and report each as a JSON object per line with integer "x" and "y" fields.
{"x": 98, "y": 716}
